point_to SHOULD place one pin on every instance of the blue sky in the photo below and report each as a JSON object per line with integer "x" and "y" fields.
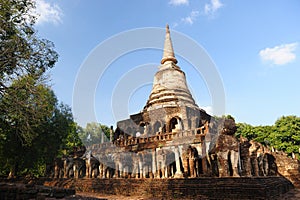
{"x": 253, "y": 43}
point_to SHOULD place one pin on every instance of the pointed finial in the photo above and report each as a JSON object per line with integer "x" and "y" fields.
{"x": 167, "y": 28}
{"x": 168, "y": 48}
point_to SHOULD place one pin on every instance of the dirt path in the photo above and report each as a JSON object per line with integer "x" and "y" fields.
{"x": 293, "y": 194}
{"x": 94, "y": 196}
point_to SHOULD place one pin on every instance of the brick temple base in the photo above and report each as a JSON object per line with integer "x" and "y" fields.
{"x": 196, "y": 188}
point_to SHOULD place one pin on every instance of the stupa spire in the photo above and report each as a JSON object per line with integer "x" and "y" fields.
{"x": 168, "y": 54}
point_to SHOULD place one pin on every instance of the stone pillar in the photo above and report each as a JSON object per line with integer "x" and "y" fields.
{"x": 178, "y": 173}
{"x": 102, "y": 137}
{"x": 101, "y": 170}
{"x": 145, "y": 170}
{"x": 167, "y": 168}
{"x": 168, "y": 127}
{"x": 146, "y": 129}
{"x": 163, "y": 167}
{"x": 135, "y": 169}
{"x": 205, "y": 156}
{"x": 111, "y": 133}
{"x": 154, "y": 163}
{"x": 141, "y": 166}
{"x": 172, "y": 170}
{"x": 116, "y": 175}
{"x": 126, "y": 172}
{"x": 121, "y": 169}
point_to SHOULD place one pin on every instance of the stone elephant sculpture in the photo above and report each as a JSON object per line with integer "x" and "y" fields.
{"x": 270, "y": 166}
{"x": 68, "y": 163}
{"x": 79, "y": 167}
{"x": 74, "y": 167}
{"x": 92, "y": 165}
{"x": 227, "y": 149}
{"x": 262, "y": 162}
{"x": 228, "y": 155}
{"x": 106, "y": 171}
{"x": 245, "y": 157}
{"x": 58, "y": 168}
{"x": 256, "y": 153}
{"x": 190, "y": 156}
{"x": 106, "y": 166}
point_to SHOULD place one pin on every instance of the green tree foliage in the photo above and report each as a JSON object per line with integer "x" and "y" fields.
{"x": 72, "y": 140}
{"x": 93, "y": 134}
{"x": 245, "y": 130}
{"x": 34, "y": 127}
{"x": 21, "y": 51}
{"x": 283, "y": 135}
{"x": 286, "y": 134}
{"x": 27, "y": 104}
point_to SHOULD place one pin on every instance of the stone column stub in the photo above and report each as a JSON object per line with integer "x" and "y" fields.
{"x": 178, "y": 173}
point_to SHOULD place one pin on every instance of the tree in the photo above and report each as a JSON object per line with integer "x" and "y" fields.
{"x": 286, "y": 134}
{"x": 93, "y": 134}
{"x": 57, "y": 136}
{"x": 245, "y": 130}
{"x": 72, "y": 140}
{"x": 263, "y": 134}
{"x": 27, "y": 104}
{"x": 283, "y": 135}
{"x": 21, "y": 51}
{"x": 34, "y": 128}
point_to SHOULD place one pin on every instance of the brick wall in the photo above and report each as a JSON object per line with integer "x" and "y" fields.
{"x": 197, "y": 188}
{"x": 288, "y": 167}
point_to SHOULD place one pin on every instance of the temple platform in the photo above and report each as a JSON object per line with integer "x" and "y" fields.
{"x": 192, "y": 188}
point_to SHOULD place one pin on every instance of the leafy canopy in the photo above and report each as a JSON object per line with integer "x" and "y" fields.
{"x": 283, "y": 135}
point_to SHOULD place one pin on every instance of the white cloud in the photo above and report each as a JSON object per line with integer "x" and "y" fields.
{"x": 191, "y": 18}
{"x": 212, "y": 7}
{"x": 179, "y": 2}
{"x": 208, "y": 109}
{"x": 48, "y": 13}
{"x": 279, "y": 55}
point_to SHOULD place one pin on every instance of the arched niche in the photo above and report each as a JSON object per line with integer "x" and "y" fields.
{"x": 174, "y": 123}
{"x": 156, "y": 126}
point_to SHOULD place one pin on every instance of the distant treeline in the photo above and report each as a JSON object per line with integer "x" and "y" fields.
{"x": 284, "y": 135}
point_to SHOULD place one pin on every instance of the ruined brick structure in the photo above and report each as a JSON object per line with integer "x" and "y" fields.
{"x": 173, "y": 138}
{"x": 166, "y": 138}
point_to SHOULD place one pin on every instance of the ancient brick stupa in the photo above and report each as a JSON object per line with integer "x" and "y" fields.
{"x": 170, "y": 125}
{"x": 170, "y": 106}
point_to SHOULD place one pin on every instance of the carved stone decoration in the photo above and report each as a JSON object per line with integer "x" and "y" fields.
{"x": 227, "y": 149}
{"x": 79, "y": 167}
{"x": 92, "y": 165}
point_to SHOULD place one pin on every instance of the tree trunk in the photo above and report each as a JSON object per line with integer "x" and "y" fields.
{"x": 13, "y": 171}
